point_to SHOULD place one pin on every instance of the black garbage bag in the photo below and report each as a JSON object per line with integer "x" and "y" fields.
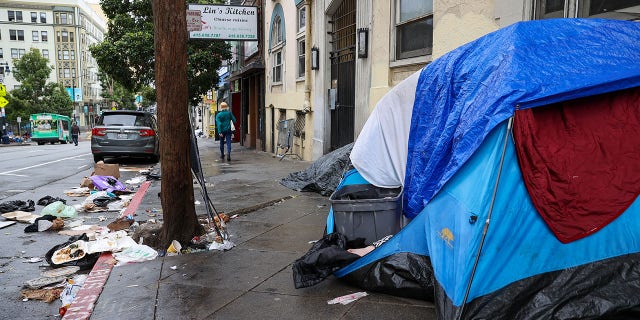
{"x": 324, "y": 175}
{"x": 47, "y": 200}
{"x": 17, "y": 205}
{"x": 85, "y": 263}
{"x": 34, "y": 226}
{"x": 326, "y": 256}
{"x": 104, "y": 201}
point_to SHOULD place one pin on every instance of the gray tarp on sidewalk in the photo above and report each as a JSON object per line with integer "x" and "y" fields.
{"x": 324, "y": 175}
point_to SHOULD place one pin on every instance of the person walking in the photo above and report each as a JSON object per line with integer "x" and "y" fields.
{"x": 224, "y": 122}
{"x": 75, "y": 132}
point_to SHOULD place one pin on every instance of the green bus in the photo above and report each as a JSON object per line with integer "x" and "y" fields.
{"x": 50, "y": 127}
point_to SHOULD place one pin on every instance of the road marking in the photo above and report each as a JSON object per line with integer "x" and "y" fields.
{"x": 15, "y": 175}
{"x": 80, "y": 167}
{"x": 42, "y": 164}
{"x": 16, "y": 191}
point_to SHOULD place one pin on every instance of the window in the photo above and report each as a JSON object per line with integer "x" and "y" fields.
{"x": 73, "y": 54}
{"x": 65, "y": 54}
{"x": 608, "y": 9}
{"x": 413, "y": 17}
{"x": 549, "y": 9}
{"x": 43, "y": 36}
{"x": 21, "y": 53}
{"x": 619, "y": 10}
{"x": 45, "y": 53}
{"x": 277, "y": 66}
{"x": 14, "y": 53}
{"x": 63, "y": 18}
{"x": 34, "y": 17}
{"x": 43, "y": 17}
{"x": 16, "y": 35}
{"x": 71, "y": 37}
{"x": 35, "y": 35}
{"x": 65, "y": 36}
{"x": 1, "y": 54}
{"x": 67, "y": 73}
{"x": 276, "y": 31}
{"x": 301, "y": 47}
{"x": 302, "y": 18}
{"x": 15, "y": 15}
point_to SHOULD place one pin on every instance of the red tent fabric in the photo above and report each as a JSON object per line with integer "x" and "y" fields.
{"x": 580, "y": 160}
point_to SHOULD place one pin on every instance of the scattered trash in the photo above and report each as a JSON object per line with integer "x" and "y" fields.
{"x": 174, "y": 248}
{"x": 136, "y": 180}
{"x": 34, "y": 260}
{"x": 70, "y": 291}
{"x": 102, "y": 218}
{"x": 4, "y": 224}
{"x": 107, "y": 183}
{"x": 135, "y": 253}
{"x": 346, "y": 299}
{"x": 38, "y": 283}
{"x": 72, "y": 253}
{"x": 197, "y": 202}
{"x": 121, "y": 223}
{"x": 21, "y": 216}
{"x": 59, "y": 209}
{"x": 78, "y": 192}
{"x": 44, "y": 223}
{"x": 47, "y": 200}
{"x": 225, "y": 245}
{"x": 60, "y": 272}
{"x": 173, "y": 267}
{"x": 47, "y": 295}
{"x": 17, "y": 205}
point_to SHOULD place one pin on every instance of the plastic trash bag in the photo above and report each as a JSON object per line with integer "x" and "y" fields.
{"x": 17, "y": 205}
{"x": 135, "y": 253}
{"x": 47, "y": 200}
{"x": 59, "y": 209}
{"x": 107, "y": 183}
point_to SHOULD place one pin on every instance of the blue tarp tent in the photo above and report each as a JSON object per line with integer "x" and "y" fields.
{"x": 476, "y": 245}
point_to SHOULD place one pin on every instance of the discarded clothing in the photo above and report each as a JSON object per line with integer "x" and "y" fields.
{"x": 47, "y": 200}
{"x": 17, "y": 205}
{"x": 325, "y": 256}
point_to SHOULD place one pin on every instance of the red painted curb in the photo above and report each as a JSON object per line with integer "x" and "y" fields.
{"x": 82, "y": 305}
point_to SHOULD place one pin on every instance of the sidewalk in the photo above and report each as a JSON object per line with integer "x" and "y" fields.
{"x": 254, "y": 279}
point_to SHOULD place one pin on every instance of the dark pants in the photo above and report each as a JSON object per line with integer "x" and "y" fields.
{"x": 226, "y": 138}
{"x": 74, "y": 137}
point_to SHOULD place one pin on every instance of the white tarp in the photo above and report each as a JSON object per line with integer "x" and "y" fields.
{"x": 380, "y": 152}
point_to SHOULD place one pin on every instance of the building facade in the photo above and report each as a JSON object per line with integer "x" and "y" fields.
{"x": 357, "y": 50}
{"x": 63, "y": 32}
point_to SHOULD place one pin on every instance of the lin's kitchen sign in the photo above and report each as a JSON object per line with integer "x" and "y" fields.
{"x": 222, "y": 22}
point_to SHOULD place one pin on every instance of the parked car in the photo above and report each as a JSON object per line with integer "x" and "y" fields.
{"x": 125, "y": 133}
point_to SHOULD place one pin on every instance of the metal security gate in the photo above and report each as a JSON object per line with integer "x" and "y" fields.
{"x": 343, "y": 67}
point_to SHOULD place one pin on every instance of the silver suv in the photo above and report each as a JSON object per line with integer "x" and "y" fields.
{"x": 125, "y": 133}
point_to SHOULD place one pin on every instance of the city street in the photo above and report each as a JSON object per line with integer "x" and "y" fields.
{"x": 25, "y": 168}
{"x": 31, "y": 172}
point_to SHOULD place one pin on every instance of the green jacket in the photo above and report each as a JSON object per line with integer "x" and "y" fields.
{"x": 223, "y": 119}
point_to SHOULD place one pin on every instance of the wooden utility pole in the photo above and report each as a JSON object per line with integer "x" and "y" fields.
{"x": 170, "y": 42}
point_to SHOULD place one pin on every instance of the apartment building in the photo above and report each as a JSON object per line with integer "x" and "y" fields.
{"x": 62, "y": 30}
{"x": 328, "y": 62}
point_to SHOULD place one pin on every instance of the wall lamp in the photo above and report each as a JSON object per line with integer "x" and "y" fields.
{"x": 363, "y": 42}
{"x": 315, "y": 58}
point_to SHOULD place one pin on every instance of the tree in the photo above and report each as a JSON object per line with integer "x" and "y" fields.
{"x": 180, "y": 220}
{"x": 35, "y": 94}
{"x": 127, "y": 53}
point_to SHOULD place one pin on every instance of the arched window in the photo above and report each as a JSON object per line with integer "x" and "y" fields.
{"x": 276, "y": 44}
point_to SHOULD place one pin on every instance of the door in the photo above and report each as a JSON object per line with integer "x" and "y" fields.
{"x": 343, "y": 67}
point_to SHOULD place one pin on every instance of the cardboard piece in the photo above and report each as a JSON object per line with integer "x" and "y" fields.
{"x": 103, "y": 169}
{"x": 86, "y": 182}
